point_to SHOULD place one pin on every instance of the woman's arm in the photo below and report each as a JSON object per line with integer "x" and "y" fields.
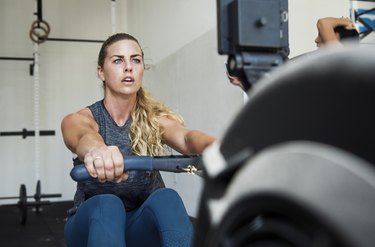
{"x": 184, "y": 140}
{"x": 81, "y": 136}
{"x": 80, "y": 132}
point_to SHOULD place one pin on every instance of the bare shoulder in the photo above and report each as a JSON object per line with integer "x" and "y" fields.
{"x": 85, "y": 112}
{"x": 82, "y": 117}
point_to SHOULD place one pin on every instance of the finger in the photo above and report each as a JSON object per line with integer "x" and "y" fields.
{"x": 89, "y": 164}
{"x": 99, "y": 167}
{"x": 118, "y": 162}
{"x": 125, "y": 176}
{"x": 350, "y": 27}
{"x": 108, "y": 168}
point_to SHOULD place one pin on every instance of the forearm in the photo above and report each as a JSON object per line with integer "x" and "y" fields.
{"x": 101, "y": 161}
{"x": 80, "y": 134}
{"x": 326, "y": 29}
{"x": 87, "y": 143}
{"x": 197, "y": 141}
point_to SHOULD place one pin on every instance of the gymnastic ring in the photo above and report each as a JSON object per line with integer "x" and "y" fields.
{"x": 38, "y": 23}
{"x": 35, "y": 35}
{"x": 39, "y": 33}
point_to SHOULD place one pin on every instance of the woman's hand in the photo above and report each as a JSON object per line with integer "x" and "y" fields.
{"x": 105, "y": 163}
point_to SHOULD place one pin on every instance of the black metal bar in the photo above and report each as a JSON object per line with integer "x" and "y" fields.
{"x": 13, "y": 197}
{"x": 40, "y": 13}
{"x": 46, "y": 132}
{"x": 75, "y": 40}
{"x": 11, "y": 133}
{"x": 50, "y": 195}
{"x": 18, "y": 58}
{"x": 25, "y": 133}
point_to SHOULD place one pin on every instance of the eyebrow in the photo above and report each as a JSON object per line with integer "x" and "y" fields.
{"x": 131, "y": 56}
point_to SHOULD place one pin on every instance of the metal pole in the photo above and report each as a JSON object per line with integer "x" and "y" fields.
{"x": 113, "y": 15}
{"x": 39, "y": 10}
{"x": 36, "y": 103}
{"x": 36, "y": 110}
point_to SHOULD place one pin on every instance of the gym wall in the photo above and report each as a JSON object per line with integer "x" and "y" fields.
{"x": 186, "y": 72}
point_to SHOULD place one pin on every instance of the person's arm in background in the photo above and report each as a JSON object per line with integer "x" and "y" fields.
{"x": 326, "y": 28}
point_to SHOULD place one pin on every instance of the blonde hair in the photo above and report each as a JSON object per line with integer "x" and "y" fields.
{"x": 145, "y": 130}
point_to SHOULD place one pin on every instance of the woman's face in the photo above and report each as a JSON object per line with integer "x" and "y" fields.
{"x": 123, "y": 68}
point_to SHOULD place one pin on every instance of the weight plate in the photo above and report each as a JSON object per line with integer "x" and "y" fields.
{"x": 38, "y": 196}
{"x": 22, "y": 203}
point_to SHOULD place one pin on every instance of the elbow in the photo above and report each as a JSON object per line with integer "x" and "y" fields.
{"x": 320, "y": 23}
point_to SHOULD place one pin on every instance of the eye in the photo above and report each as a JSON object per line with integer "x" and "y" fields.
{"x": 136, "y": 60}
{"x": 117, "y": 61}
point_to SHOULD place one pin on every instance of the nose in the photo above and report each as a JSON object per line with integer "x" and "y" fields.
{"x": 128, "y": 67}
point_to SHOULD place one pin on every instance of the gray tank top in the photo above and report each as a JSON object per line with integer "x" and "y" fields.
{"x": 134, "y": 191}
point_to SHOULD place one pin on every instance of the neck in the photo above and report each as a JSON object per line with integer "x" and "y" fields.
{"x": 120, "y": 109}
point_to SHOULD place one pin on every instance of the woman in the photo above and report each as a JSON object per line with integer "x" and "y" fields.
{"x": 134, "y": 208}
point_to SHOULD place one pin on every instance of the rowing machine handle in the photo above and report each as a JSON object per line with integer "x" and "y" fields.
{"x": 141, "y": 163}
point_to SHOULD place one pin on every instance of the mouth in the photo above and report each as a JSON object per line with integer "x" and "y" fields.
{"x": 128, "y": 80}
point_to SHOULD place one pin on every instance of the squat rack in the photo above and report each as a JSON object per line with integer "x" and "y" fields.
{"x": 39, "y": 33}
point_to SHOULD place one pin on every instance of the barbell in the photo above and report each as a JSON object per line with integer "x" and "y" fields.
{"x": 23, "y": 203}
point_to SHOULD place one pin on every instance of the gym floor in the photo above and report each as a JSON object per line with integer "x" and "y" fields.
{"x": 45, "y": 229}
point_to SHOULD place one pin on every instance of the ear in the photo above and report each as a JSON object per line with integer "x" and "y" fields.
{"x": 100, "y": 73}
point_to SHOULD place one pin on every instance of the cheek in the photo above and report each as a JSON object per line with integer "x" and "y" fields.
{"x": 112, "y": 71}
{"x": 140, "y": 73}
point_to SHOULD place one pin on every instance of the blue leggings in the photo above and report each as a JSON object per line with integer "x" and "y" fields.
{"x": 161, "y": 220}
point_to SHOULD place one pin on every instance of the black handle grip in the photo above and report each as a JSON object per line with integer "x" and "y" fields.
{"x": 174, "y": 163}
